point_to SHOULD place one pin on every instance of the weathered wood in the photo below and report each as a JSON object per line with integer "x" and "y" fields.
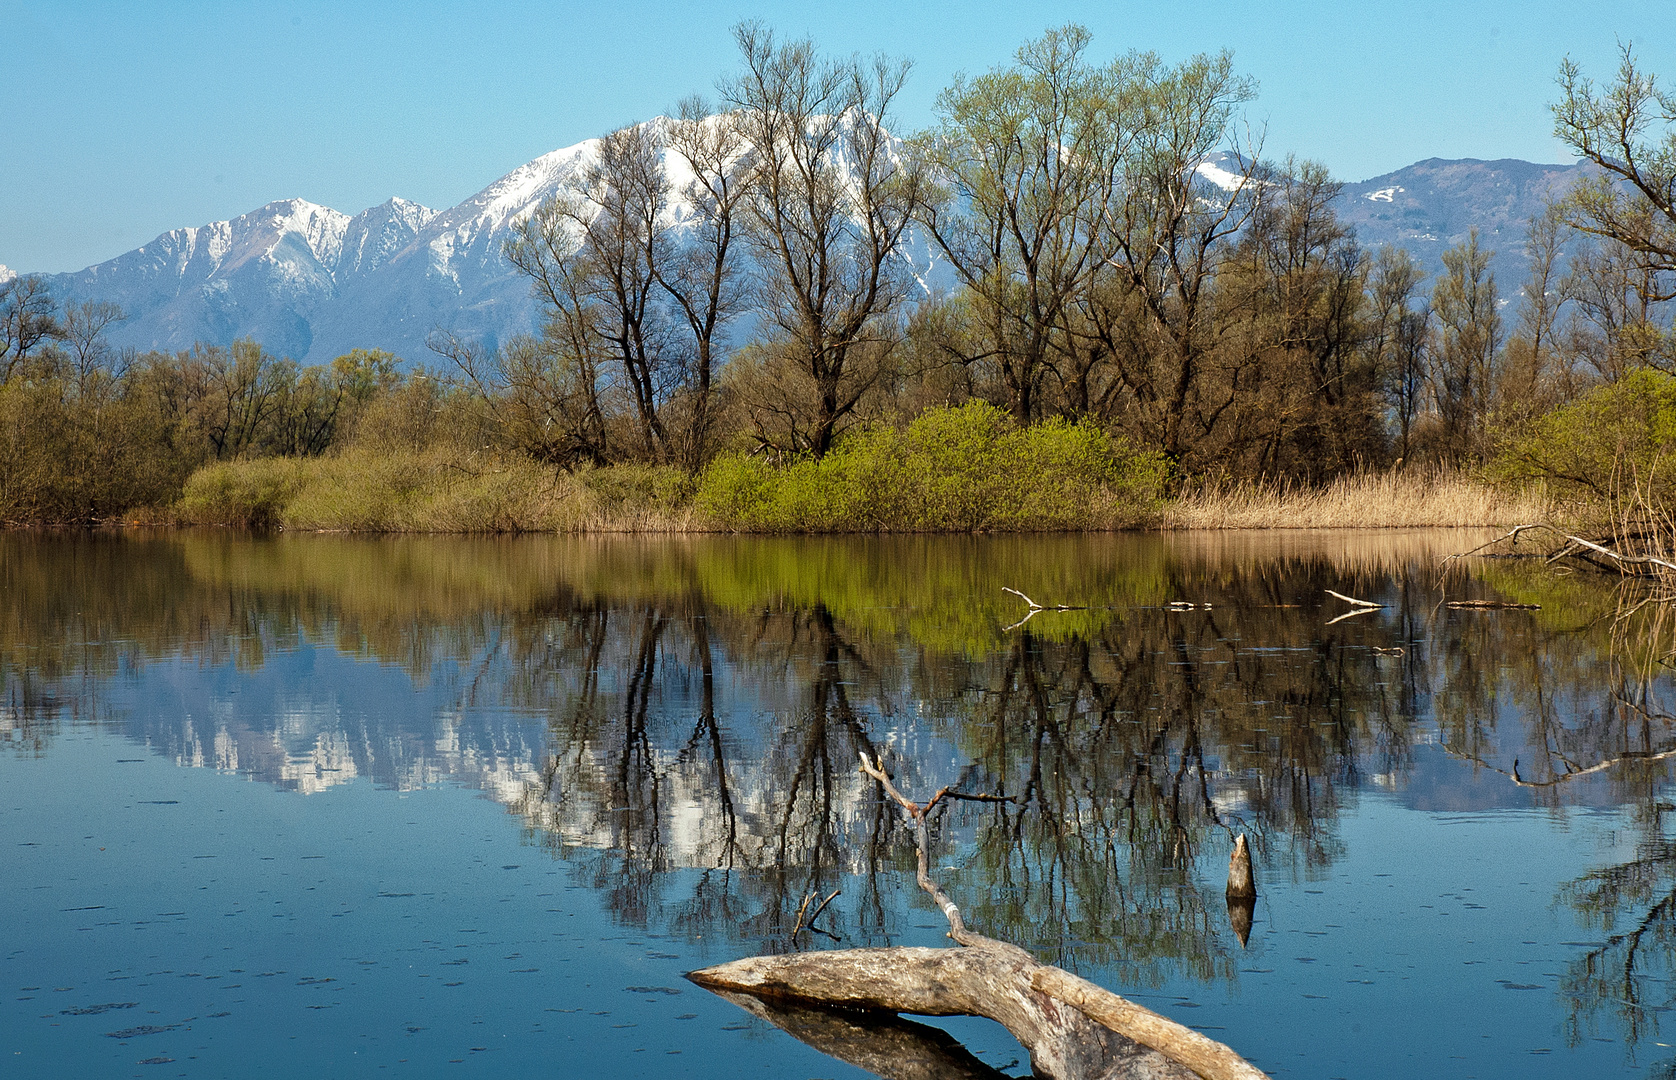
{"x": 986, "y": 978}
{"x": 1622, "y": 560}
{"x": 1489, "y": 605}
{"x": 1204, "y": 1055}
{"x": 1353, "y": 600}
{"x": 1242, "y": 883}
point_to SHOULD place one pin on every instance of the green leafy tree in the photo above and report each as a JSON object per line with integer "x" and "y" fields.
{"x": 1031, "y": 156}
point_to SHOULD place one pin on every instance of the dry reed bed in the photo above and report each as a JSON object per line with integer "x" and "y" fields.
{"x": 1362, "y": 501}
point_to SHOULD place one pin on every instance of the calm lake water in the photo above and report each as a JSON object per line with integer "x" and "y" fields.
{"x": 460, "y": 807}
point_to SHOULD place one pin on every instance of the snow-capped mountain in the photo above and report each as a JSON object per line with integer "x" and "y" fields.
{"x": 312, "y": 283}
{"x": 275, "y": 274}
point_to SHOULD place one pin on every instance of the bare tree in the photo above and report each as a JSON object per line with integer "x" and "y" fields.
{"x": 701, "y": 273}
{"x": 28, "y": 316}
{"x": 83, "y": 331}
{"x": 1617, "y": 320}
{"x": 1632, "y": 199}
{"x": 1464, "y": 365}
{"x": 1168, "y": 234}
{"x": 543, "y": 400}
{"x": 829, "y": 198}
{"x": 556, "y": 381}
{"x": 1535, "y": 375}
{"x": 1399, "y": 337}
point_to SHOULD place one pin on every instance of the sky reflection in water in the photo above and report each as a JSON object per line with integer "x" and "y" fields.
{"x": 509, "y": 790}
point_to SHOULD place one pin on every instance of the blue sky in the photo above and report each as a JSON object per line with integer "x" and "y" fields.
{"x": 123, "y": 120}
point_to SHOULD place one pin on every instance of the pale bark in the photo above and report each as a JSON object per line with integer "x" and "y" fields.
{"x": 988, "y": 978}
{"x": 1072, "y": 1028}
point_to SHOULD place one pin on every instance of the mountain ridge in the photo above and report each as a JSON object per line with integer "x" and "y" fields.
{"x": 311, "y": 282}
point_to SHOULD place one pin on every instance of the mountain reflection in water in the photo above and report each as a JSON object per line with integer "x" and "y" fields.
{"x": 679, "y": 720}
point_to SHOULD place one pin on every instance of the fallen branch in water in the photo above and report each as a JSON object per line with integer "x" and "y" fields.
{"x": 1072, "y": 1028}
{"x": 1574, "y": 547}
{"x": 1490, "y": 605}
{"x": 1621, "y": 759}
{"x": 1624, "y": 561}
{"x": 810, "y": 924}
{"x": 1512, "y": 534}
{"x": 1035, "y": 607}
{"x": 1353, "y": 600}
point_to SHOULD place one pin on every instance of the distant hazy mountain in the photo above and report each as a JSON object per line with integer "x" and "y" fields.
{"x": 1432, "y": 205}
{"x": 312, "y": 283}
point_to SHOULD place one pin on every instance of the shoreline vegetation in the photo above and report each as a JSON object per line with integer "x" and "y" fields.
{"x": 733, "y": 337}
{"x": 937, "y": 476}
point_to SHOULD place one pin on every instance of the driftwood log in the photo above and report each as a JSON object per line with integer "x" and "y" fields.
{"x": 1072, "y": 1028}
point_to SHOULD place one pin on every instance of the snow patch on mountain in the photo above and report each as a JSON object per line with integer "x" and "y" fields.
{"x": 1214, "y": 169}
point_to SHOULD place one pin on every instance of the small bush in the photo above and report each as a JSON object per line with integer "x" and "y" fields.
{"x": 965, "y": 469}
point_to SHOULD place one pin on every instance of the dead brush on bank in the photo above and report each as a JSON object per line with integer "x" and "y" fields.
{"x": 1368, "y": 500}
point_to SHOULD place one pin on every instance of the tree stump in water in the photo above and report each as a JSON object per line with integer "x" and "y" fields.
{"x": 1072, "y": 1028}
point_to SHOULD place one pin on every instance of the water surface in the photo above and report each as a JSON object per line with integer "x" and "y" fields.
{"x": 448, "y": 807}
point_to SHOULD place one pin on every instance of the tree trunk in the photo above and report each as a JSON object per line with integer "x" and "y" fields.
{"x": 990, "y": 978}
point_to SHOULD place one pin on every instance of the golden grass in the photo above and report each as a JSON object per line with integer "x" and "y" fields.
{"x": 439, "y": 491}
{"x": 1360, "y": 501}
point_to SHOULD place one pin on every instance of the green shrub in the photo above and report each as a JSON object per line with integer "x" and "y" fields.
{"x": 966, "y": 469}
{"x": 1603, "y": 446}
{"x": 253, "y": 494}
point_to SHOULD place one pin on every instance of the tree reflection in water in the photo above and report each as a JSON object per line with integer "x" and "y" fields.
{"x": 680, "y": 720}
